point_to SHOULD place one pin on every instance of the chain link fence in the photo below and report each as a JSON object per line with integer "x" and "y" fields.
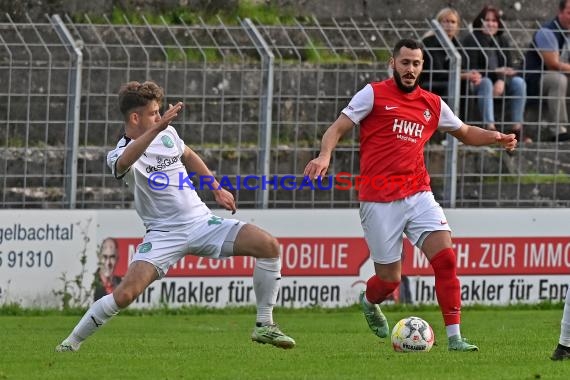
{"x": 257, "y": 100}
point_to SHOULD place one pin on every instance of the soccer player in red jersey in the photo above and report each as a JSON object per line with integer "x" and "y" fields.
{"x": 396, "y": 119}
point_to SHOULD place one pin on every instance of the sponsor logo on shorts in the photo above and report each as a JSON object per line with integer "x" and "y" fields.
{"x": 145, "y": 247}
{"x": 215, "y": 220}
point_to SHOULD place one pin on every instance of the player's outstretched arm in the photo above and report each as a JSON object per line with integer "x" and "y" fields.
{"x": 318, "y": 166}
{"x": 472, "y": 135}
{"x": 195, "y": 164}
{"x": 137, "y": 147}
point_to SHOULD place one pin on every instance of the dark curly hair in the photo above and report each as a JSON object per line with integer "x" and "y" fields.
{"x": 133, "y": 95}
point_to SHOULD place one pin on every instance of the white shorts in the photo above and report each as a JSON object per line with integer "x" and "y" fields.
{"x": 209, "y": 236}
{"x": 384, "y": 223}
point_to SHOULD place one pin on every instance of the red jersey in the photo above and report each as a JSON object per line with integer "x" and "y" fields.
{"x": 392, "y": 139}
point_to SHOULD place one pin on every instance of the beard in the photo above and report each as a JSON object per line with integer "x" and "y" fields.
{"x": 401, "y": 86}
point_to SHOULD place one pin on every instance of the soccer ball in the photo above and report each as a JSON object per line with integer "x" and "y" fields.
{"x": 412, "y": 334}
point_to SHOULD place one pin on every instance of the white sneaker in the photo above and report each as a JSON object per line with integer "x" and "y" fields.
{"x": 66, "y": 346}
{"x": 272, "y": 335}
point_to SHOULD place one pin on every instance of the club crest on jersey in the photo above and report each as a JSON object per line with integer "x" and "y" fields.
{"x": 427, "y": 115}
{"x": 167, "y": 141}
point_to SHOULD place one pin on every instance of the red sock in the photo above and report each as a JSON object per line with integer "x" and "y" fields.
{"x": 447, "y": 286}
{"x": 377, "y": 290}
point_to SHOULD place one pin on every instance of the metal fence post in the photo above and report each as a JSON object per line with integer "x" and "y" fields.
{"x": 73, "y": 109}
{"x": 453, "y": 91}
{"x": 265, "y": 112}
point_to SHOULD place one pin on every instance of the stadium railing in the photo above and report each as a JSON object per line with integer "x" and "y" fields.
{"x": 59, "y": 117}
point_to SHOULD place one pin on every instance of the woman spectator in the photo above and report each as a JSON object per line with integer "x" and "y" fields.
{"x": 436, "y": 63}
{"x": 488, "y": 51}
{"x": 435, "y": 75}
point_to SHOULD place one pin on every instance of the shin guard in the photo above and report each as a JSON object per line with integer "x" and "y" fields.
{"x": 447, "y": 286}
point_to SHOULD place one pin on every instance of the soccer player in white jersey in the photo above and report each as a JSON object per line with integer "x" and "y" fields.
{"x": 153, "y": 161}
{"x": 562, "y": 351}
{"x": 396, "y": 119}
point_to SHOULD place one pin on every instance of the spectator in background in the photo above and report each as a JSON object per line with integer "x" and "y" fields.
{"x": 546, "y": 72}
{"x": 436, "y": 63}
{"x": 489, "y": 53}
{"x": 105, "y": 280}
{"x": 435, "y": 76}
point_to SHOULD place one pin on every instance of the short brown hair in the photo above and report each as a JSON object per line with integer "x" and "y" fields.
{"x": 134, "y": 94}
{"x": 408, "y": 43}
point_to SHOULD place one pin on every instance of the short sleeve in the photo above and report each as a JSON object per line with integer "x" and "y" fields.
{"x": 545, "y": 40}
{"x": 360, "y": 105}
{"x": 113, "y": 157}
{"x": 448, "y": 121}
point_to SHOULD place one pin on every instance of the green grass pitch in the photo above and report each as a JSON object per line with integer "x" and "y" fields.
{"x": 515, "y": 343}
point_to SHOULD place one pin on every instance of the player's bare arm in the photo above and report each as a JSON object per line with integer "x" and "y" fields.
{"x": 195, "y": 164}
{"x": 318, "y": 166}
{"x": 141, "y": 141}
{"x": 471, "y": 135}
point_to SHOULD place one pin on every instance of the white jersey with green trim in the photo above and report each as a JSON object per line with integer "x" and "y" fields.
{"x": 164, "y": 194}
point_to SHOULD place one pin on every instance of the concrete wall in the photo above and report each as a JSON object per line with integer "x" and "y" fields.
{"x": 377, "y": 9}
{"x": 420, "y": 9}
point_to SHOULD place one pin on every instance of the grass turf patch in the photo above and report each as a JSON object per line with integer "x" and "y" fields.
{"x": 515, "y": 343}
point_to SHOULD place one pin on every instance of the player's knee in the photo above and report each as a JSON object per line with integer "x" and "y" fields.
{"x": 257, "y": 243}
{"x": 444, "y": 263}
{"x": 124, "y": 297}
{"x": 266, "y": 245}
{"x": 271, "y": 247}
